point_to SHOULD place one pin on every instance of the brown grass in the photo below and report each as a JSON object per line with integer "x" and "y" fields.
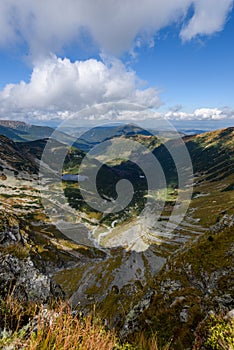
{"x": 64, "y": 331}
{"x": 32, "y": 327}
{"x": 28, "y": 326}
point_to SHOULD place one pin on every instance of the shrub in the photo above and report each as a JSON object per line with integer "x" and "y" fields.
{"x": 215, "y": 332}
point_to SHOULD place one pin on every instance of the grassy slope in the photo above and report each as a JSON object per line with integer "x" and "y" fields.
{"x": 203, "y": 269}
{"x": 212, "y": 154}
{"x": 213, "y": 160}
{"x": 202, "y": 273}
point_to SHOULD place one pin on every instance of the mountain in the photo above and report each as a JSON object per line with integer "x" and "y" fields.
{"x": 191, "y": 297}
{"x": 212, "y": 153}
{"x": 82, "y": 138}
{"x": 195, "y": 279}
{"x": 139, "y": 281}
{"x": 10, "y": 133}
{"x": 194, "y": 289}
{"x": 23, "y": 132}
{"x": 86, "y": 139}
{"x": 20, "y": 131}
{"x": 104, "y": 132}
{"x": 13, "y": 159}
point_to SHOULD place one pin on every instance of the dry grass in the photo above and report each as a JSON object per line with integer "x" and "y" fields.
{"x": 64, "y": 331}
{"x": 14, "y": 315}
{"x": 29, "y": 327}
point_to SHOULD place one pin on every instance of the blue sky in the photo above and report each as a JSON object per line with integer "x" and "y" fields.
{"x": 173, "y": 58}
{"x": 194, "y": 74}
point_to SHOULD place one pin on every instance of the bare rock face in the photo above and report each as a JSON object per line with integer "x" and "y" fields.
{"x": 22, "y": 278}
{"x": 10, "y": 235}
{"x": 131, "y": 322}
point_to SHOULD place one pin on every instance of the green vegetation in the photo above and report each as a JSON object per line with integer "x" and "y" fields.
{"x": 193, "y": 280}
{"x": 31, "y": 326}
{"x": 16, "y": 249}
{"x": 215, "y": 332}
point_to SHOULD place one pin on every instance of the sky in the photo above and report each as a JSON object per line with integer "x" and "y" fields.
{"x": 144, "y": 60}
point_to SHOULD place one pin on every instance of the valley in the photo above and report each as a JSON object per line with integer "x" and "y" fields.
{"x": 139, "y": 254}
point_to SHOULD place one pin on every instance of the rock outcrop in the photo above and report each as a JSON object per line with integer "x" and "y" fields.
{"x": 195, "y": 282}
{"x": 19, "y": 274}
{"x": 25, "y": 281}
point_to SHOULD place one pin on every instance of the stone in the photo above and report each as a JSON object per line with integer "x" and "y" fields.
{"x": 184, "y": 314}
{"x": 131, "y": 321}
{"x": 26, "y": 281}
{"x": 230, "y": 315}
{"x": 169, "y": 286}
{"x": 177, "y": 301}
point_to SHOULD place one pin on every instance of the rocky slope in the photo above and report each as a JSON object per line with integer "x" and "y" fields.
{"x": 195, "y": 282}
{"x": 168, "y": 288}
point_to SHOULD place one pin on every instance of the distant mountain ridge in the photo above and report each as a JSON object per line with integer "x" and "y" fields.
{"x": 12, "y": 158}
{"x": 211, "y": 152}
{"x": 14, "y": 124}
{"x": 125, "y": 285}
{"x": 21, "y": 131}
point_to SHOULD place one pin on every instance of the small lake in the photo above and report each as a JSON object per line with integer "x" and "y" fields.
{"x": 74, "y": 177}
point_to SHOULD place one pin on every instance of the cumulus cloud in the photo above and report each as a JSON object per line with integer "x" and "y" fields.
{"x": 48, "y": 25}
{"x": 202, "y": 114}
{"x": 91, "y": 91}
{"x": 59, "y": 87}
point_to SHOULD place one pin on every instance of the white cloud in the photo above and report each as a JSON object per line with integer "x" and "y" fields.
{"x": 48, "y": 25}
{"x": 209, "y": 17}
{"x": 59, "y": 87}
{"x": 178, "y": 115}
{"x": 202, "y": 114}
{"x": 208, "y": 113}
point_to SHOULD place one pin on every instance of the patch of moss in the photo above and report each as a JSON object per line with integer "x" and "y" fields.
{"x": 17, "y": 250}
{"x": 69, "y": 279}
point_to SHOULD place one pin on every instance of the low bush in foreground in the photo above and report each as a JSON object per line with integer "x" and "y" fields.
{"x": 216, "y": 332}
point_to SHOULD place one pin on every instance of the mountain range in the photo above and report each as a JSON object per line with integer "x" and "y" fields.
{"x": 171, "y": 285}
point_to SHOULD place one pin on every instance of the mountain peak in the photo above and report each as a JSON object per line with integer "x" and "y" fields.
{"x": 13, "y": 124}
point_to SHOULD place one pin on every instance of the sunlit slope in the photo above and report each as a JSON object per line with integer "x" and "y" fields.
{"x": 213, "y": 161}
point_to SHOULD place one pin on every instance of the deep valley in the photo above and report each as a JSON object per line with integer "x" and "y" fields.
{"x": 144, "y": 273}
